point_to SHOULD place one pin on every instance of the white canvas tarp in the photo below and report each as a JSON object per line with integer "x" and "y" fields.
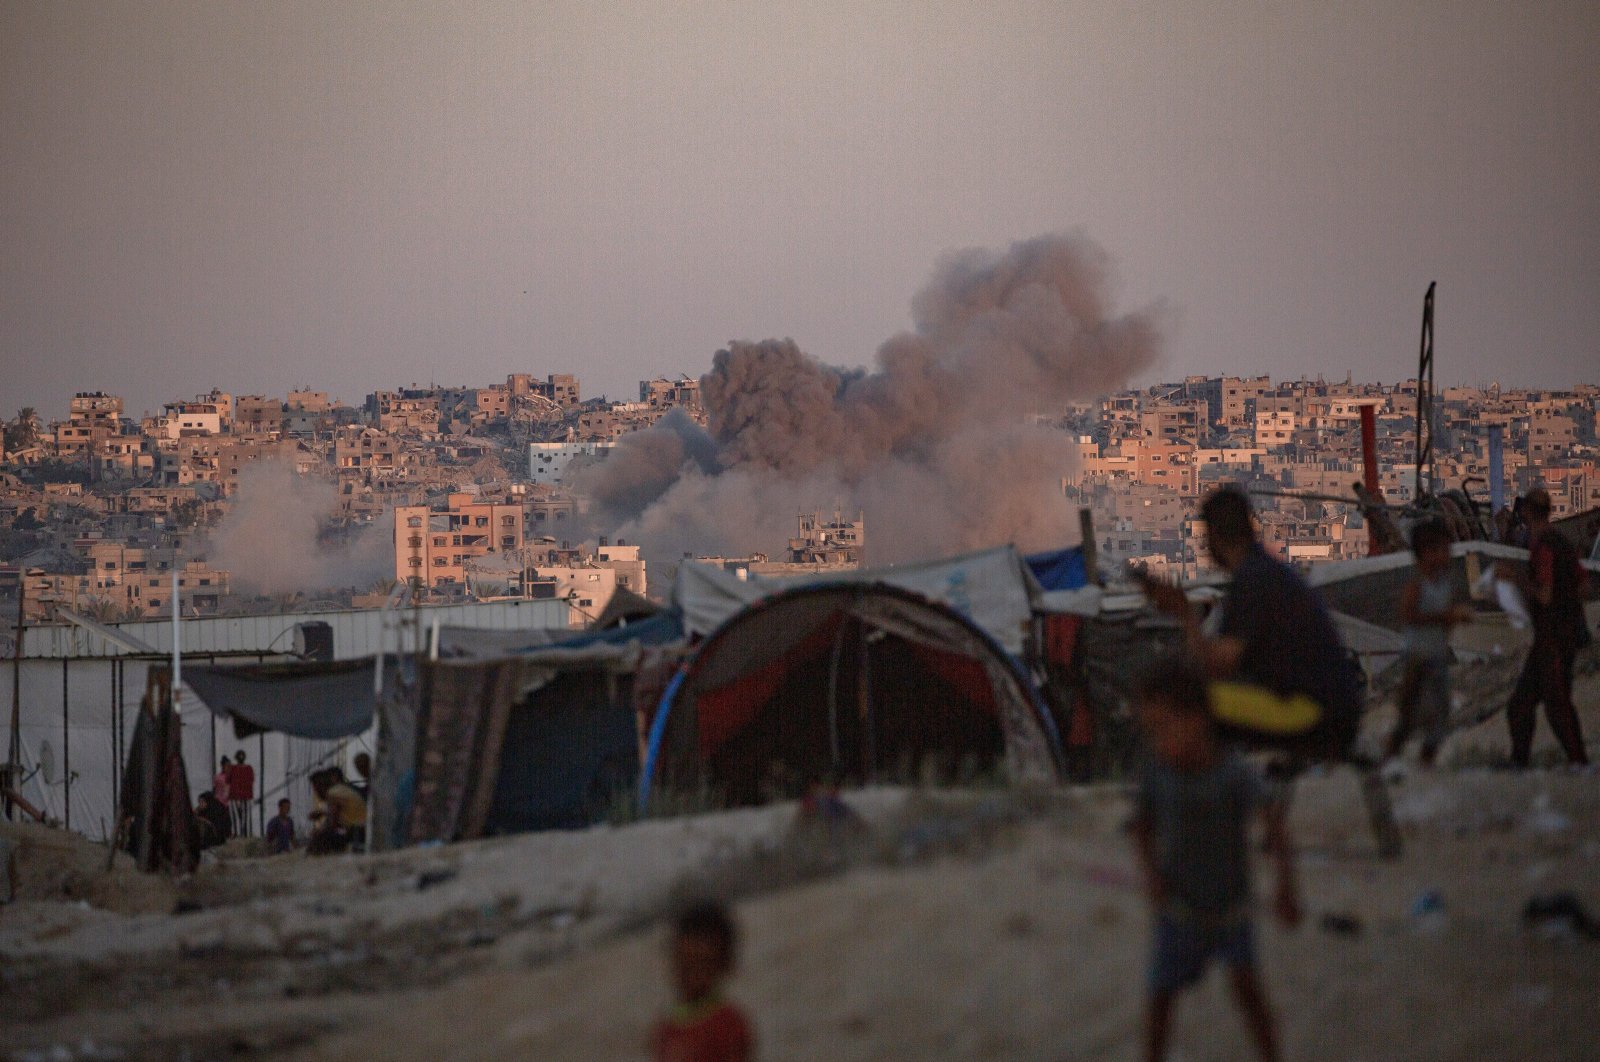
{"x": 991, "y": 588}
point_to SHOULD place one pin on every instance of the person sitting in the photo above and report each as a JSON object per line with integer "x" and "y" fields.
{"x": 362, "y": 783}
{"x": 341, "y": 817}
{"x": 216, "y": 825}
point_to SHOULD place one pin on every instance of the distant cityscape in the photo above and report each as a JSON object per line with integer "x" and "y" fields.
{"x": 477, "y": 493}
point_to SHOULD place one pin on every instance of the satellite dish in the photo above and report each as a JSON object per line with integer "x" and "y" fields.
{"x": 47, "y": 762}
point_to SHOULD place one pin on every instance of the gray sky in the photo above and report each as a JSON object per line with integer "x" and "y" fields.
{"x": 360, "y": 195}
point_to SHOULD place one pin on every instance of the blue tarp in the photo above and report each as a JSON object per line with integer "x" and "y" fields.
{"x": 663, "y": 628}
{"x": 1061, "y": 569}
{"x": 323, "y": 700}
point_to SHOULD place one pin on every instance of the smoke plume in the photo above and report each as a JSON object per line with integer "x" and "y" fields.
{"x": 271, "y": 541}
{"x": 935, "y": 445}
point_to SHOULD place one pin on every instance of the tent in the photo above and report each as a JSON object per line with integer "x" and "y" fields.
{"x": 548, "y": 739}
{"x": 848, "y": 681}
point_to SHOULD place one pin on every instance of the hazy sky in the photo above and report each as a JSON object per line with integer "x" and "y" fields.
{"x": 360, "y": 195}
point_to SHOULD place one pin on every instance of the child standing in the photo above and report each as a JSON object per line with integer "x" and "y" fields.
{"x": 1429, "y": 608}
{"x": 1194, "y": 804}
{"x": 703, "y": 1026}
{"x": 280, "y": 830}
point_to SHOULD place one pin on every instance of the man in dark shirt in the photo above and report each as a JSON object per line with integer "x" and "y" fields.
{"x": 1554, "y": 587}
{"x": 1276, "y": 636}
{"x": 1281, "y": 677}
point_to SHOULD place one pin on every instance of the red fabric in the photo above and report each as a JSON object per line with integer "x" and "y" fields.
{"x": 723, "y": 1035}
{"x": 1080, "y": 732}
{"x": 1061, "y": 638}
{"x": 724, "y": 711}
{"x": 964, "y": 673}
{"x": 241, "y": 781}
{"x": 1544, "y": 560}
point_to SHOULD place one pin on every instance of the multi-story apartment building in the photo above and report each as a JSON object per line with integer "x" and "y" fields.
{"x": 1173, "y": 422}
{"x": 433, "y": 545}
{"x": 1239, "y": 396}
{"x": 258, "y": 415}
{"x": 1274, "y": 428}
{"x": 366, "y": 454}
{"x": 94, "y": 418}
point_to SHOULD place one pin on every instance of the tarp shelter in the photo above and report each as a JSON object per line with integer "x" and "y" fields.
{"x": 1062, "y": 569}
{"x": 852, "y": 682}
{"x": 308, "y": 699}
{"x": 663, "y": 628}
{"x": 80, "y": 693}
{"x": 545, "y": 740}
{"x": 158, "y": 826}
{"x": 992, "y": 588}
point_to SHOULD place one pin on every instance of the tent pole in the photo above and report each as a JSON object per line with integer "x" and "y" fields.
{"x": 66, "y": 746}
{"x": 1091, "y": 558}
{"x": 111, "y": 669}
{"x": 869, "y": 742}
{"x": 118, "y": 684}
{"x": 833, "y": 697}
{"x": 14, "y": 755}
{"x": 177, "y": 639}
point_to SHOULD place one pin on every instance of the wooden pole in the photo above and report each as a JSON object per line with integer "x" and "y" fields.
{"x": 177, "y": 640}
{"x": 1091, "y": 553}
{"x": 116, "y": 738}
{"x": 14, "y": 755}
{"x": 66, "y": 747}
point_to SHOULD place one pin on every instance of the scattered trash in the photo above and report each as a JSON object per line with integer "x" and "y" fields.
{"x": 1560, "y": 913}
{"x": 1430, "y": 901}
{"x": 1341, "y": 924}
{"x": 1428, "y": 911}
{"x": 437, "y": 876}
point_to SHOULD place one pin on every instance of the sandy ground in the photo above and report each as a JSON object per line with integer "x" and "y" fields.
{"x": 952, "y": 925}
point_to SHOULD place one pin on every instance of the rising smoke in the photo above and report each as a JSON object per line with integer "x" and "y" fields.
{"x": 935, "y": 445}
{"x": 272, "y": 539}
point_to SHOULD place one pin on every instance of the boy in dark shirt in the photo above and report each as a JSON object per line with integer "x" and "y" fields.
{"x": 280, "y": 830}
{"x": 1194, "y": 803}
{"x": 703, "y": 1026}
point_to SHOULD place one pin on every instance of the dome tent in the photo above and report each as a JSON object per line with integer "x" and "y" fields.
{"x": 851, "y": 682}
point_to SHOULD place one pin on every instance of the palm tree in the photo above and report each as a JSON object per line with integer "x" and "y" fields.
{"x": 23, "y": 431}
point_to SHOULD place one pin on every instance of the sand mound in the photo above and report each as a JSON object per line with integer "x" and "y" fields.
{"x": 52, "y": 864}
